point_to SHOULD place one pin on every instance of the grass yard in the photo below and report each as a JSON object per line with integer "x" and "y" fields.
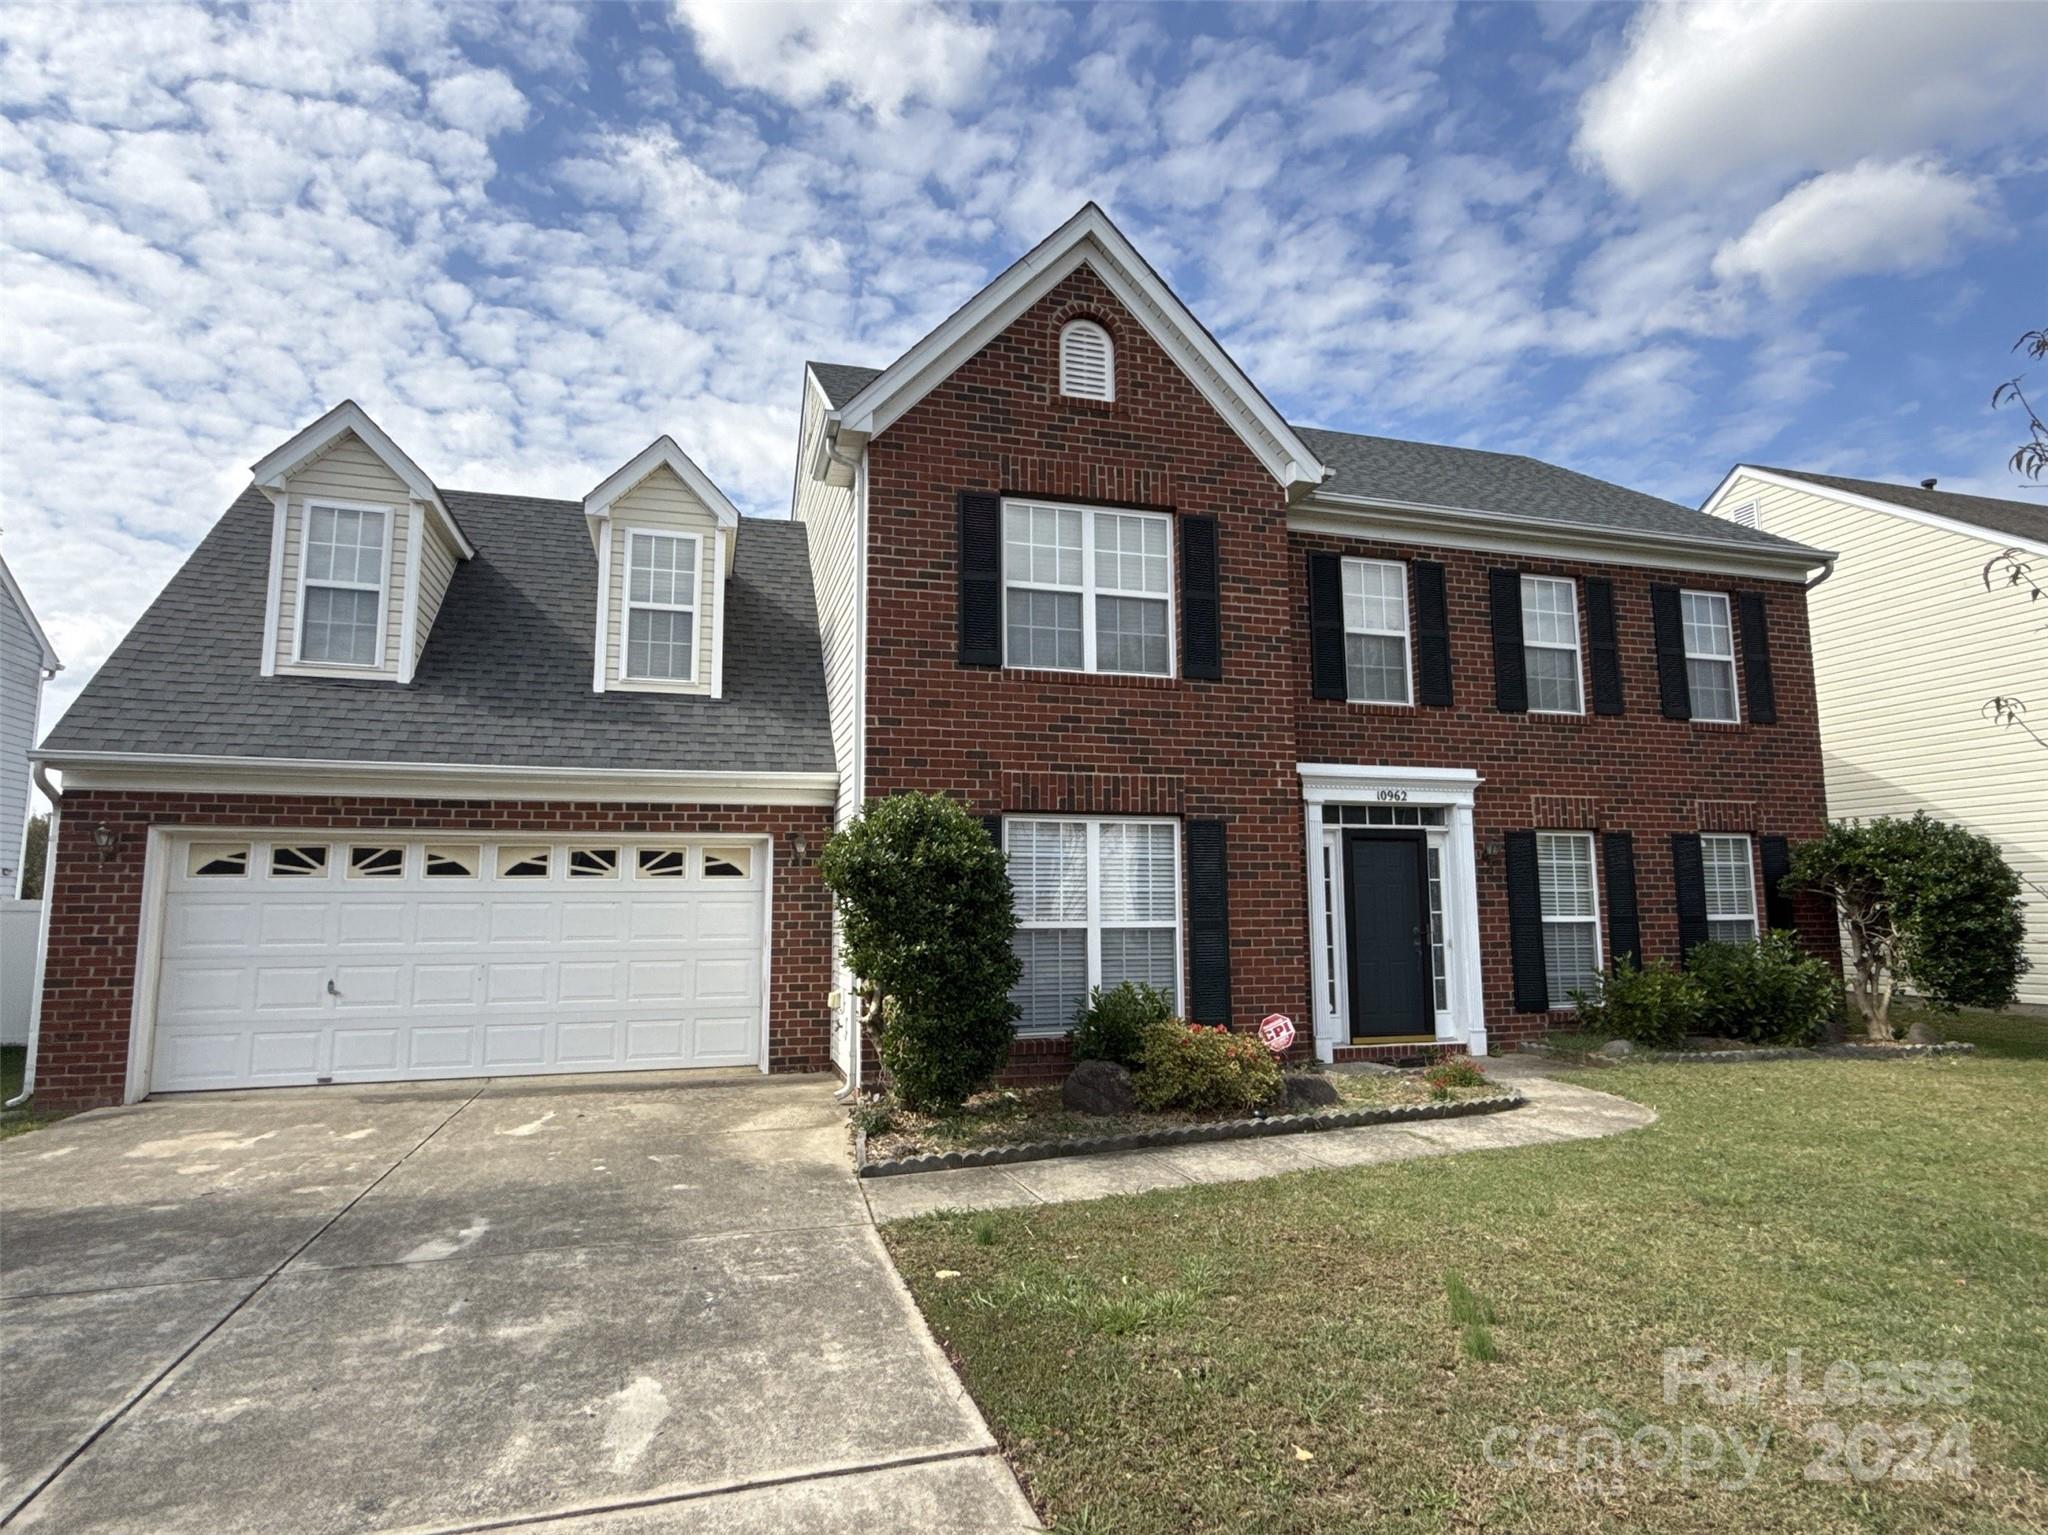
{"x": 13, "y": 1062}
{"x": 1311, "y": 1353}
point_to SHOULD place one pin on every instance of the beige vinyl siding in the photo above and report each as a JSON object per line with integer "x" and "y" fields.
{"x": 1908, "y": 646}
{"x": 348, "y": 471}
{"x": 829, "y": 513}
{"x": 21, "y": 691}
{"x": 437, "y": 568}
{"x": 661, "y": 503}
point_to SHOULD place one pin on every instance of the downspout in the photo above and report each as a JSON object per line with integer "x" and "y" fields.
{"x": 850, "y": 999}
{"x": 1825, "y": 571}
{"x": 35, "y": 1006}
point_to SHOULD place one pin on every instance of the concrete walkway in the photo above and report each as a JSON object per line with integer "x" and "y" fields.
{"x": 650, "y": 1305}
{"x": 1556, "y": 1111}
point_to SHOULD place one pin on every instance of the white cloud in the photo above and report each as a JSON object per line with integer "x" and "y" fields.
{"x": 1718, "y": 92}
{"x": 1903, "y": 217}
{"x": 874, "y": 53}
{"x": 479, "y": 101}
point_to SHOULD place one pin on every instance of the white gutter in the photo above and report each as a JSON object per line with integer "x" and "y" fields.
{"x": 1420, "y": 516}
{"x": 35, "y": 1005}
{"x": 231, "y": 774}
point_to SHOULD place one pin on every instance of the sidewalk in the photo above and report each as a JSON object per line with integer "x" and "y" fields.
{"x": 1556, "y": 1111}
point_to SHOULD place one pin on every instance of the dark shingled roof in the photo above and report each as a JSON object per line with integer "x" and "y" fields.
{"x": 842, "y": 380}
{"x": 505, "y": 676}
{"x": 1465, "y": 479}
{"x": 1474, "y": 480}
{"x": 2016, "y": 519}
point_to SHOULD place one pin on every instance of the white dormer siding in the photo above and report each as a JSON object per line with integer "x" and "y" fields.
{"x": 662, "y": 505}
{"x": 375, "y": 528}
{"x": 438, "y": 558}
{"x": 348, "y": 475}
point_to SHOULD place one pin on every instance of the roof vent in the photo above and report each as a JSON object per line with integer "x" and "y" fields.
{"x": 1928, "y": 483}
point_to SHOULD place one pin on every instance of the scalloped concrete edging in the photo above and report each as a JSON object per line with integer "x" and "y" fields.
{"x": 1873, "y": 1052}
{"x": 1178, "y": 1135}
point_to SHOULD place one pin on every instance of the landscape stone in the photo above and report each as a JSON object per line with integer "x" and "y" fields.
{"x": 1099, "y": 1087}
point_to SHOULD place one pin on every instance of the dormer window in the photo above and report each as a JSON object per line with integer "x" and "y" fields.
{"x": 342, "y": 581}
{"x": 661, "y": 606}
{"x": 1087, "y": 362}
{"x": 664, "y": 537}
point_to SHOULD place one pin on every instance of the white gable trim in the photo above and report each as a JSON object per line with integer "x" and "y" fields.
{"x": 277, "y": 466}
{"x": 1087, "y": 238}
{"x": 660, "y": 453}
{"x": 28, "y": 615}
{"x": 1873, "y": 504}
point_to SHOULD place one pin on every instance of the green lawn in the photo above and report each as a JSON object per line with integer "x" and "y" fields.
{"x": 1283, "y": 1356}
{"x": 13, "y": 1061}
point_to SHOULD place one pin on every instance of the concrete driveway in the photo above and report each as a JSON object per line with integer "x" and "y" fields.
{"x": 645, "y": 1304}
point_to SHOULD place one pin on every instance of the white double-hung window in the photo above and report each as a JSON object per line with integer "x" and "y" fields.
{"x": 1086, "y": 589}
{"x": 1376, "y": 631}
{"x": 1571, "y": 913}
{"x": 1709, "y": 656}
{"x": 1550, "y": 644}
{"x": 1731, "y": 889}
{"x": 341, "y": 586}
{"x": 661, "y": 607}
{"x": 1098, "y": 903}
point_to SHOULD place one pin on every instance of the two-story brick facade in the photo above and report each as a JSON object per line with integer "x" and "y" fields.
{"x": 1478, "y": 793}
{"x": 1403, "y": 741}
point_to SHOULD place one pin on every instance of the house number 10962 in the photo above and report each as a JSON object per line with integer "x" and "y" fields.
{"x": 1393, "y": 794}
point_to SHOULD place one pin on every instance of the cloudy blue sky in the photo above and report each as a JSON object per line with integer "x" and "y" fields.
{"x": 1644, "y": 243}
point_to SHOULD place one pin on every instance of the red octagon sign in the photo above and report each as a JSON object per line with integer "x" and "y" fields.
{"x": 1276, "y": 1032}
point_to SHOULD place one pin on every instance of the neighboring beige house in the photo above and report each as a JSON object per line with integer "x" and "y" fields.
{"x": 1908, "y": 647}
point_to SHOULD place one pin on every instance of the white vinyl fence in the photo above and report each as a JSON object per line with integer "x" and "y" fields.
{"x": 18, "y": 921}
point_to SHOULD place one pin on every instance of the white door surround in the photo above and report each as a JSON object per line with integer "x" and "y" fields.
{"x": 257, "y": 974}
{"x": 1462, "y": 1020}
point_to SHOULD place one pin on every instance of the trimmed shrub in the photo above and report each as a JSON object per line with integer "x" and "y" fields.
{"x": 1204, "y": 1070}
{"x": 1770, "y": 992}
{"x": 926, "y": 920}
{"x": 1654, "y": 1005}
{"x": 1926, "y": 904}
{"x": 1111, "y": 1024}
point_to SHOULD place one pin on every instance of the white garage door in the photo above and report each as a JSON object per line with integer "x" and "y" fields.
{"x": 359, "y": 959}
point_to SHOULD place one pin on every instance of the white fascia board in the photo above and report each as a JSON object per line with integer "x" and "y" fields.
{"x": 28, "y": 614}
{"x": 1400, "y": 522}
{"x": 657, "y": 454}
{"x": 1088, "y": 237}
{"x": 282, "y": 462}
{"x": 472, "y": 781}
{"x": 1974, "y": 530}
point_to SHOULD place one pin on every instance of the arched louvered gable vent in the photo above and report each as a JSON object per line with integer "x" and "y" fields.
{"x": 1087, "y": 362}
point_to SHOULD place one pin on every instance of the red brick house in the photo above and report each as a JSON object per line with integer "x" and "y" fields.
{"x": 1404, "y": 741}
{"x": 1401, "y": 740}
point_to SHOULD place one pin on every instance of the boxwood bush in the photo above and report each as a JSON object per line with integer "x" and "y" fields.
{"x": 1770, "y": 992}
{"x": 1203, "y": 1070}
{"x": 1654, "y": 1005}
{"x": 1111, "y": 1024}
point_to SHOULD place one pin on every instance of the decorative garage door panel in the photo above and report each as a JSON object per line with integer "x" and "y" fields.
{"x": 301, "y": 961}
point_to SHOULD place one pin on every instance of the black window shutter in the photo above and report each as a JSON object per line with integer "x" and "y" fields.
{"x": 1777, "y": 859}
{"x": 1201, "y": 620}
{"x": 993, "y": 825}
{"x": 1604, "y": 645}
{"x": 1326, "y": 626}
{"x": 1665, "y": 624}
{"x": 1432, "y": 635}
{"x": 1756, "y": 658}
{"x": 1624, "y": 927}
{"x": 1208, "y": 924}
{"x": 1525, "y": 925}
{"x": 1691, "y": 875}
{"x": 981, "y": 578}
{"x": 1510, "y": 675}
